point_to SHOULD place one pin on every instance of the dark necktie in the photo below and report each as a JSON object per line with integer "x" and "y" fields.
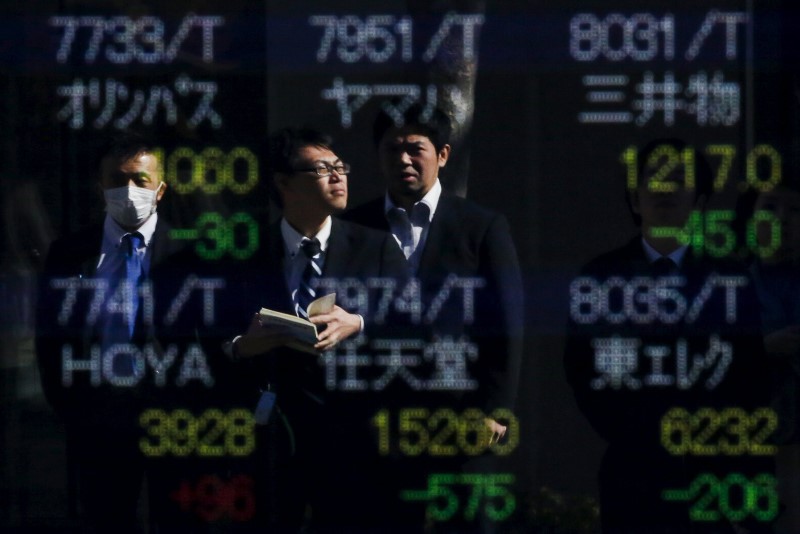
{"x": 400, "y": 220}
{"x": 663, "y": 266}
{"x": 306, "y": 292}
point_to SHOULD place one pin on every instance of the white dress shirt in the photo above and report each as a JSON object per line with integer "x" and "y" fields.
{"x": 410, "y": 230}
{"x": 653, "y": 255}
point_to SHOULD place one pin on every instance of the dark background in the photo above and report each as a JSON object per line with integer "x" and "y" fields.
{"x": 525, "y": 154}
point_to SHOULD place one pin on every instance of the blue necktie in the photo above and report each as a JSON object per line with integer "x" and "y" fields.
{"x": 306, "y": 292}
{"x": 119, "y": 321}
{"x": 133, "y": 272}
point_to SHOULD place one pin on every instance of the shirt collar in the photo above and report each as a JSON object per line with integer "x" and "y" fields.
{"x": 114, "y": 233}
{"x": 653, "y": 255}
{"x": 292, "y": 238}
{"x": 431, "y": 199}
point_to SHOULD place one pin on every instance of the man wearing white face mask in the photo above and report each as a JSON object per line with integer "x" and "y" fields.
{"x": 93, "y": 347}
{"x": 132, "y": 189}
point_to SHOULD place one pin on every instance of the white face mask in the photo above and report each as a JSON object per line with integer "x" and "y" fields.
{"x": 131, "y": 206}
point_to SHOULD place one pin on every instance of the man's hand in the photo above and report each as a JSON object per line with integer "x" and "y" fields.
{"x": 497, "y": 430}
{"x": 340, "y": 325}
{"x": 260, "y": 339}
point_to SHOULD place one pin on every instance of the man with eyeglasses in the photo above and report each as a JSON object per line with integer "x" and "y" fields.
{"x": 313, "y": 443}
{"x": 309, "y": 184}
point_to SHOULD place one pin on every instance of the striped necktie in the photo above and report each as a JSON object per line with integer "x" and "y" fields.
{"x": 306, "y": 292}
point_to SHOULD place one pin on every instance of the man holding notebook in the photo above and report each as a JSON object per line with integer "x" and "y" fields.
{"x": 311, "y": 439}
{"x": 310, "y": 184}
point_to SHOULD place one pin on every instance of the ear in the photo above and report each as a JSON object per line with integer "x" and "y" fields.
{"x": 444, "y": 153}
{"x": 161, "y": 188}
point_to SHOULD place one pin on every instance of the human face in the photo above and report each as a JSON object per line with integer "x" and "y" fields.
{"x": 138, "y": 171}
{"x": 304, "y": 190}
{"x": 130, "y": 190}
{"x": 664, "y": 203}
{"x": 410, "y": 164}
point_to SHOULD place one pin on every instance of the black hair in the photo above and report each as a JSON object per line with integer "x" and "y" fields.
{"x": 703, "y": 175}
{"x": 432, "y": 123}
{"x": 123, "y": 146}
{"x": 282, "y": 148}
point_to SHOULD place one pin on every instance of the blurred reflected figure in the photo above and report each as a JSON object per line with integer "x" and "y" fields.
{"x": 95, "y": 322}
{"x": 776, "y": 232}
{"x": 664, "y": 357}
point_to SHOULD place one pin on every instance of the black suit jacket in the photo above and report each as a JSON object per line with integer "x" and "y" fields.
{"x": 74, "y": 258}
{"x": 467, "y": 240}
{"x": 353, "y": 252}
{"x": 637, "y": 466}
{"x": 318, "y": 444}
{"x": 623, "y": 417}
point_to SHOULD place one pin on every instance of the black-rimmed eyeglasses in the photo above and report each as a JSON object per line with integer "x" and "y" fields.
{"x": 326, "y": 169}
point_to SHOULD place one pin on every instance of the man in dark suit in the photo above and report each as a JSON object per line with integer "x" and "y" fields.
{"x": 447, "y": 238}
{"x": 467, "y": 302}
{"x": 660, "y": 335}
{"x": 318, "y": 443}
{"x": 102, "y": 295}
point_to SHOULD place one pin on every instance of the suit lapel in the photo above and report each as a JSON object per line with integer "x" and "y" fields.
{"x": 163, "y": 245}
{"x": 442, "y": 230}
{"x": 338, "y": 254}
{"x": 639, "y": 261}
{"x": 87, "y": 253}
{"x": 276, "y": 293}
{"x": 337, "y": 258}
{"x": 164, "y": 279}
{"x": 379, "y": 214}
